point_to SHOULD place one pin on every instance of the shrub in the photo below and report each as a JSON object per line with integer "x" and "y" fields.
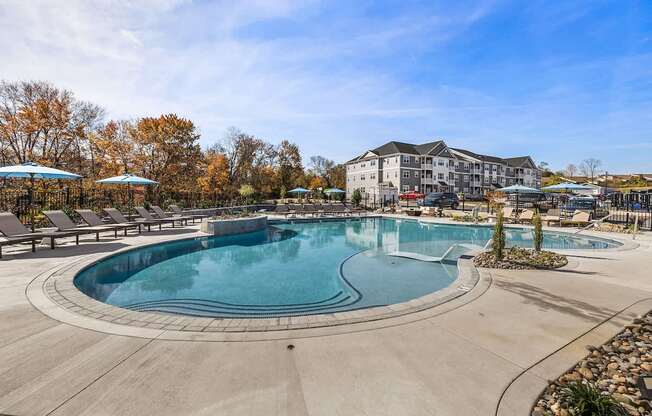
{"x": 498, "y": 239}
{"x": 538, "y": 233}
{"x": 587, "y": 400}
{"x": 356, "y": 198}
{"x": 247, "y": 192}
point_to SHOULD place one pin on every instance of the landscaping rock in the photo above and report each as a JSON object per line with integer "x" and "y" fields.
{"x": 517, "y": 258}
{"x": 613, "y": 368}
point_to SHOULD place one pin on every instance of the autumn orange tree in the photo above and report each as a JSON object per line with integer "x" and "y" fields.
{"x": 215, "y": 177}
{"x": 42, "y": 123}
{"x": 167, "y": 150}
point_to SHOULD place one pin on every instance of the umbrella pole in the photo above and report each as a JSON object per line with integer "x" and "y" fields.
{"x": 517, "y": 202}
{"x": 31, "y": 200}
{"x": 131, "y": 201}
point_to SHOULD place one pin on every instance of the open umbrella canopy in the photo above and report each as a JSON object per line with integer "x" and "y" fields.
{"x": 519, "y": 189}
{"x": 127, "y": 179}
{"x": 34, "y": 170}
{"x": 298, "y": 191}
{"x": 334, "y": 191}
{"x": 566, "y": 186}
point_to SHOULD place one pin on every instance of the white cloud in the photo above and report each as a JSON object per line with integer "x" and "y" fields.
{"x": 273, "y": 69}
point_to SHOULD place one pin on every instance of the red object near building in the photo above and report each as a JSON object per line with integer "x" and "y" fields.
{"x": 412, "y": 195}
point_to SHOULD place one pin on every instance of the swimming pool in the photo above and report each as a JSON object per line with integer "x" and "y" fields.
{"x": 297, "y": 268}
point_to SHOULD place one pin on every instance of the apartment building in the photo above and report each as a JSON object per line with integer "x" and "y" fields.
{"x": 433, "y": 167}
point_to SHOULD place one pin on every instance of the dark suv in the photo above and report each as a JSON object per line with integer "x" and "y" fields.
{"x": 441, "y": 200}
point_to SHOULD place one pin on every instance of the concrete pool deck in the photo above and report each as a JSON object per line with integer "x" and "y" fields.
{"x": 488, "y": 352}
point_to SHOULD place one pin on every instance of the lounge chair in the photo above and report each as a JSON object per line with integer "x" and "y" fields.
{"x": 118, "y": 218}
{"x": 148, "y": 217}
{"x": 309, "y": 209}
{"x": 163, "y": 215}
{"x": 178, "y": 211}
{"x": 93, "y": 220}
{"x": 319, "y": 209}
{"x": 282, "y": 209}
{"x": 15, "y": 233}
{"x": 553, "y": 215}
{"x": 63, "y": 223}
{"x": 294, "y": 210}
{"x": 342, "y": 209}
{"x": 580, "y": 218}
{"x": 507, "y": 214}
{"x": 526, "y": 216}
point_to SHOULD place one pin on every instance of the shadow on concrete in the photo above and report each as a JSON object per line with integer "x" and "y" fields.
{"x": 550, "y": 301}
{"x": 589, "y": 257}
{"x": 87, "y": 245}
{"x": 65, "y": 250}
{"x": 571, "y": 271}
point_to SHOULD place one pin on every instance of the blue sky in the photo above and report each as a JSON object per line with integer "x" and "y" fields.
{"x": 562, "y": 81}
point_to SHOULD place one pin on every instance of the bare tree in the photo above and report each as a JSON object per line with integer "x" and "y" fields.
{"x": 589, "y": 167}
{"x": 319, "y": 165}
{"x": 571, "y": 170}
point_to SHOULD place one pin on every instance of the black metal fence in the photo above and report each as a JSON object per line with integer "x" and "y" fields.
{"x": 27, "y": 204}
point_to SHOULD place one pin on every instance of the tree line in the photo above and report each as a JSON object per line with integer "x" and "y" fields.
{"x": 590, "y": 168}
{"x": 42, "y": 123}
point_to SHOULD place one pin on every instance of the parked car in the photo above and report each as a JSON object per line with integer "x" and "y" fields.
{"x": 529, "y": 200}
{"x": 441, "y": 200}
{"x": 586, "y": 203}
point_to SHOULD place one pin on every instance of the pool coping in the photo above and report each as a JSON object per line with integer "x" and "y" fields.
{"x": 55, "y": 295}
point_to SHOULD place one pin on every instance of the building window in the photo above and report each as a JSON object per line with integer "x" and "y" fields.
{"x": 406, "y": 159}
{"x": 362, "y": 165}
{"x": 416, "y": 173}
{"x": 372, "y": 176}
{"x": 373, "y": 163}
{"x": 440, "y": 162}
{"x": 405, "y": 188}
{"x": 362, "y": 177}
{"x": 440, "y": 176}
{"x": 406, "y": 174}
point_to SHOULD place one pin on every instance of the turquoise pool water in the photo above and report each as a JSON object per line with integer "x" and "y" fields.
{"x": 295, "y": 268}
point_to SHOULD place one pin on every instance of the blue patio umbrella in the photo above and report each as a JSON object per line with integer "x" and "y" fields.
{"x": 298, "y": 191}
{"x": 331, "y": 191}
{"x": 566, "y": 186}
{"x": 519, "y": 189}
{"x": 33, "y": 171}
{"x": 334, "y": 191}
{"x": 129, "y": 180}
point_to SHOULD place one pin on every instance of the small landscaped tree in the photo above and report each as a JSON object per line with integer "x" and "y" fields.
{"x": 538, "y": 233}
{"x": 498, "y": 240}
{"x": 247, "y": 192}
{"x": 356, "y": 197}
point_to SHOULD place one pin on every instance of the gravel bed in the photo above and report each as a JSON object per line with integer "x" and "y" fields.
{"x": 521, "y": 259}
{"x": 614, "y": 368}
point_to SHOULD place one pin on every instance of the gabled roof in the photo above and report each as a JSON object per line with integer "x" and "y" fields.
{"x": 486, "y": 158}
{"x": 439, "y": 148}
{"x": 521, "y": 161}
{"x": 393, "y": 147}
